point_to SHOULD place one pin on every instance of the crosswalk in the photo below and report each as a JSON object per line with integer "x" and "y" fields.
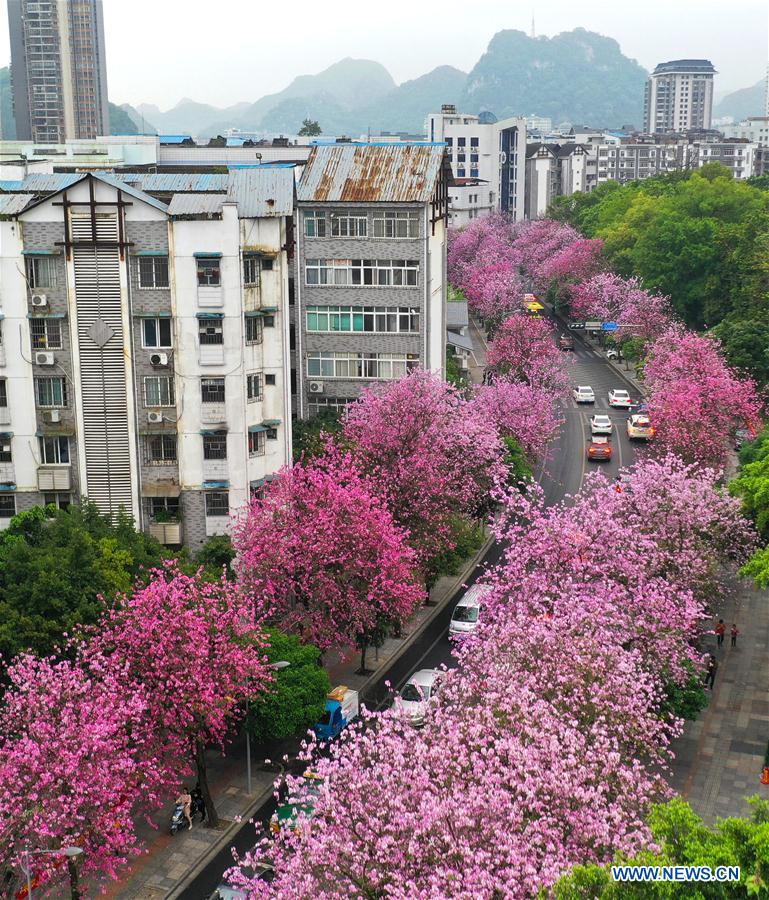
{"x": 601, "y": 403}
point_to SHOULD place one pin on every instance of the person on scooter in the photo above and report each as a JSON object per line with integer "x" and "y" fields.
{"x": 198, "y": 803}
{"x": 185, "y": 799}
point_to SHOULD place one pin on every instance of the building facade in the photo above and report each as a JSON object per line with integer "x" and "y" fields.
{"x": 679, "y": 96}
{"x": 58, "y": 69}
{"x": 553, "y": 170}
{"x": 145, "y": 346}
{"x": 494, "y": 152}
{"x": 370, "y": 292}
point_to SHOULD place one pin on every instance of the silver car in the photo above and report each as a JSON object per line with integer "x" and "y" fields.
{"x": 601, "y": 424}
{"x": 419, "y": 690}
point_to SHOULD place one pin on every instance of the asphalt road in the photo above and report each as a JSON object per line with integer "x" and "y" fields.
{"x": 562, "y": 474}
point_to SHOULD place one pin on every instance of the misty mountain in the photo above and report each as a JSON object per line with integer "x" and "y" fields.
{"x": 7, "y": 124}
{"x": 743, "y": 103}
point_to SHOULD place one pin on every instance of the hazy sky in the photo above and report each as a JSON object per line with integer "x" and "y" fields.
{"x": 159, "y": 51}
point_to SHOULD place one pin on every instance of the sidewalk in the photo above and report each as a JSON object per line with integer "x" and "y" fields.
{"x": 172, "y": 861}
{"x": 720, "y": 756}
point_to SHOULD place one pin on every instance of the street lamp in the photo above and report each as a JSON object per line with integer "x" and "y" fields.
{"x": 281, "y": 664}
{"x": 24, "y": 862}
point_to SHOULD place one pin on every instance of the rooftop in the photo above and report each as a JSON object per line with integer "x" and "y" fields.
{"x": 695, "y": 66}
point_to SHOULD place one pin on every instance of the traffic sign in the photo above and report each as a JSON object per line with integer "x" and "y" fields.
{"x": 576, "y": 325}
{"x": 609, "y": 326}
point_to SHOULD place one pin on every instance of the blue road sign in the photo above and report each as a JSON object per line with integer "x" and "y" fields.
{"x": 609, "y": 326}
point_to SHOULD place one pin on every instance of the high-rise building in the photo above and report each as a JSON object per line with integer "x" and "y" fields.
{"x": 679, "y": 96}
{"x": 58, "y": 71}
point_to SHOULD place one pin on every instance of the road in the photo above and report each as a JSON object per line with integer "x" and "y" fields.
{"x": 562, "y": 474}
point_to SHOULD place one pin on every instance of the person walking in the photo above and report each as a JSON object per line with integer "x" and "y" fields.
{"x": 734, "y": 632}
{"x": 710, "y": 674}
{"x": 185, "y": 798}
{"x": 720, "y": 632}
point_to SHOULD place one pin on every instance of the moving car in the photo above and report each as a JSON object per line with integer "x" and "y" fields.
{"x": 620, "y": 398}
{"x": 566, "y": 342}
{"x": 601, "y": 424}
{"x": 640, "y": 428}
{"x": 418, "y": 691}
{"x": 464, "y": 619}
{"x": 583, "y": 394}
{"x": 599, "y": 449}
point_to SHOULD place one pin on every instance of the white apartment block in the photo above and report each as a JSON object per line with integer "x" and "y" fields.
{"x": 494, "y": 152}
{"x": 553, "y": 170}
{"x": 145, "y": 344}
{"x": 755, "y": 129}
{"x": 679, "y": 96}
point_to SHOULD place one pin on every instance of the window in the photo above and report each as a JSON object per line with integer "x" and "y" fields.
{"x": 45, "y": 334}
{"x": 254, "y": 386}
{"x": 254, "y": 328}
{"x": 217, "y": 503}
{"x": 54, "y": 451}
{"x": 269, "y": 380}
{"x": 363, "y": 319}
{"x": 320, "y": 405}
{"x": 269, "y": 321}
{"x": 210, "y": 332}
{"x": 164, "y": 508}
{"x": 267, "y": 264}
{"x": 449, "y": 141}
{"x": 250, "y": 270}
{"x": 255, "y": 443}
{"x": 212, "y": 390}
{"x": 161, "y": 449}
{"x": 159, "y": 390}
{"x": 314, "y": 223}
{"x": 473, "y": 157}
{"x": 156, "y": 333}
{"x": 5, "y": 450}
{"x": 4, "y": 392}
{"x": 346, "y": 225}
{"x": 461, "y": 157}
{"x": 371, "y": 272}
{"x": 60, "y": 501}
{"x": 215, "y": 446}
{"x": 461, "y": 142}
{"x": 41, "y": 272}
{"x": 7, "y": 506}
{"x": 51, "y": 392}
{"x": 473, "y": 142}
{"x": 473, "y": 173}
{"x": 383, "y": 366}
{"x": 209, "y": 273}
{"x": 153, "y": 271}
{"x": 272, "y": 434}
{"x": 396, "y": 225}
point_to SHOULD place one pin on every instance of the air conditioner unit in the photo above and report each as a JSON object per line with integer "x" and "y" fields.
{"x": 39, "y": 300}
{"x": 159, "y": 359}
{"x": 53, "y": 415}
{"x": 155, "y": 417}
{"x": 316, "y": 387}
{"x": 44, "y": 359}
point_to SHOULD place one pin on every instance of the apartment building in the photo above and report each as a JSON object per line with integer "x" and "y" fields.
{"x": 469, "y": 198}
{"x": 679, "y": 96}
{"x": 145, "y": 344}
{"x": 58, "y": 69}
{"x": 370, "y": 293}
{"x": 553, "y": 170}
{"x": 492, "y": 151}
{"x": 754, "y": 129}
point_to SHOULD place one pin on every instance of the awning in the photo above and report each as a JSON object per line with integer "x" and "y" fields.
{"x": 253, "y": 313}
{"x": 37, "y": 315}
{"x": 7, "y": 486}
{"x": 464, "y": 342}
{"x": 215, "y": 485}
{"x": 209, "y": 315}
{"x": 153, "y": 315}
{"x": 269, "y": 309}
{"x": 150, "y": 253}
{"x": 271, "y": 423}
{"x": 253, "y": 429}
{"x": 211, "y": 255}
{"x": 6, "y": 435}
{"x": 40, "y": 252}
{"x": 161, "y": 489}
{"x": 63, "y": 431}
{"x": 260, "y": 482}
{"x": 219, "y": 432}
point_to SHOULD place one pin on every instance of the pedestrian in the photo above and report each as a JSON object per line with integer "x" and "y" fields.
{"x": 720, "y": 632}
{"x": 710, "y": 674}
{"x": 185, "y": 799}
{"x": 734, "y": 633}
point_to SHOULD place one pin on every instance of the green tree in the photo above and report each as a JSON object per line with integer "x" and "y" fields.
{"x": 310, "y": 128}
{"x": 55, "y": 563}
{"x": 454, "y": 373}
{"x": 297, "y": 698}
{"x": 216, "y": 554}
{"x": 309, "y": 435}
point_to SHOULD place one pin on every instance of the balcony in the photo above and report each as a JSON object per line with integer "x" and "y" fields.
{"x": 167, "y": 532}
{"x": 54, "y": 478}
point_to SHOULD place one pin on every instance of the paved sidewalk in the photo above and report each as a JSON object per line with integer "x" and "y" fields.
{"x": 169, "y": 860}
{"x": 720, "y": 756}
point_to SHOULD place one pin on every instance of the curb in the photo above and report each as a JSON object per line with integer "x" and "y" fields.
{"x": 227, "y": 835}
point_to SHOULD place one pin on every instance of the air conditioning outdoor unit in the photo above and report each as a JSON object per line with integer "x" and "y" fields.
{"x": 53, "y": 415}
{"x": 155, "y": 417}
{"x": 316, "y": 387}
{"x": 44, "y": 359}
{"x": 159, "y": 359}
{"x": 39, "y": 300}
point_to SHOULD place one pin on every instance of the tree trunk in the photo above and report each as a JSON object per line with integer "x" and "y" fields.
{"x": 362, "y": 670}
{"x": 73, "y": 878}
{"x": 212, "y": 818}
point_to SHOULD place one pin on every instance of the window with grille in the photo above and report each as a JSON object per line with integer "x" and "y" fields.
{"x": 347, "y": 225}
{"x": 153, "y": 271}
{"x": 215, "y": 446}
{"x": 7, "y": 505}
{"x": 159, "y": 390}
{"x": 41, "y": 272}
{"x": 254, "y": 329}
{"x": 54, "y": 451}
{"x": 3, "y": 392}
{"x": 164, "y": 508}
{"x": 51, "y": 392}
{"x": 371, "y": 319}
{"x": 314, "y": 223}
{"x": 45, "y": 334}
{"x": 255, "y": 443}
{"x": 254, "y": 386}
{"x": 156, "y": 333}
{"x": 369, "y": 272}
{"x": 382, "y": 366}
{"x": 251, "y": 270}
{"x": 212, "y": 390}
{"x": 325, "y": 405}
{"x": 209, "y": 271}
{"x": 161, "y": 449}
{"x": 217, "y": 503}
{"x": 210, "y": 332}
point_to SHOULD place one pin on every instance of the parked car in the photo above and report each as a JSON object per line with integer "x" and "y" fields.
{"x": 421, "y": 689}
{"x": 601, "y": 424}
{"x": 599, "y": 449}
{"x": 620, "y": 398}
{"x": 613, "y": 353}
{"x": 466, "y": 615}
{"x": 566, "y": 342}
{"x": 583, "y": 394}
{"x": 640, "y": 428}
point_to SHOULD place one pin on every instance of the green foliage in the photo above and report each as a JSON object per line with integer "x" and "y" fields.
{"x": 298, "y": 695}
{"x": 7, "y": 122}
{"x": 756, "y": 449}
{"x": 216, "y": 554}
{"x": 685, "y": 700}
{"x": 308, "y": 434}
{"x": 467, "y": 536}
{"x": 752, "y": 486}
{"x": 757, "y": 567}
{"x": 310, "y": 128}
{"x": 454, "y": 373}
{"x": 683, "y": 839}
{"x": 746, "y": 344}
{"x": 518, "y": 468}
{"x": 55, "y": 563}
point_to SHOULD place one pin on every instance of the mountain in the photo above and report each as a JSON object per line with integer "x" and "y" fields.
{"x": 7, "y": 124}
{"x": 576, "y": 76}
{"x": 188, "y": 116}
{"x": 740, "y": 104}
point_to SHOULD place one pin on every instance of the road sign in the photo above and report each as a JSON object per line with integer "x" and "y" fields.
{"x": 592, "y": 324}
{"x": 609, "y": 326}
{"x": 576, "y": 325}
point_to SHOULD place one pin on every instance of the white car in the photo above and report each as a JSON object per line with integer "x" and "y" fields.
{"x": 583, "y": 394}
{"x": 601, "y": 424}
{"x": 640, "y": 428}
{"x": 464, "y": 619}
{"x": 620, "y": 398}
{"x": 419, "y": 690}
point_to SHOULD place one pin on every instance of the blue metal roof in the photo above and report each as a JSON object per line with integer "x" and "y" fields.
{"x": 8, "y": 185}
{"x": 174, "y": 138}
{"x": 130, "y": 190}
{"x": 177, "y": 183}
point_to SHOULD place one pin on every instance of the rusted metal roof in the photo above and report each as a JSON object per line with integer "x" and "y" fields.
{"x": 13, "y": 204}
{"x": 196, "y": 206}
{"x": 371, "y": 173}
{"x": 262, "y": 191}
{"x": 169, "y": 183}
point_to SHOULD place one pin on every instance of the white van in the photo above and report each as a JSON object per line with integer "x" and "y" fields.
{"x": 464, "y": 619}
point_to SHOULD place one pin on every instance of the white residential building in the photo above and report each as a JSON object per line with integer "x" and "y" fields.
{"x": 553, "y": 170}
{"x": 755, "y": 129}
{"x": 679, "y": 96}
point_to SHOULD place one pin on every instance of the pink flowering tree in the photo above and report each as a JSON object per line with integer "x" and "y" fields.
{"x": 195, "y": 651}
{"x": 481, "y": 241}
{"x": 695, "y": 400}
{"x": 577, "y": 261}
{"x": 609, "y": 297}
{"x": 325, "y": 558}
{"x": 494, "y": 291}
{"x": 76, "y": 767}
{"x": 524, "y": 350}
